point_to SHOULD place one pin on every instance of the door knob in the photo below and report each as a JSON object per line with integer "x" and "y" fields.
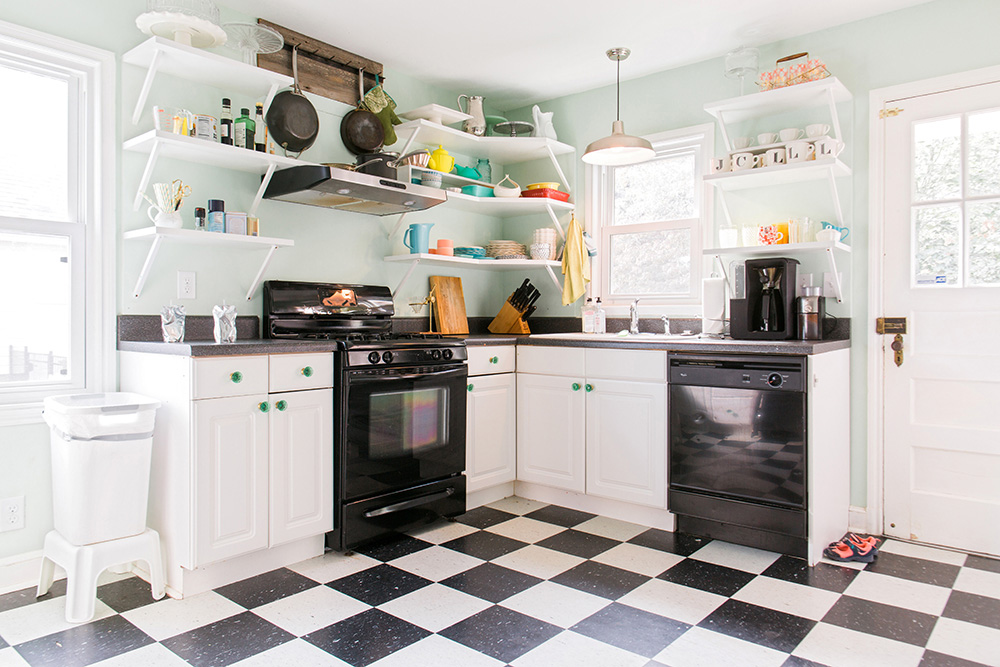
{"x": 897, "y": 349}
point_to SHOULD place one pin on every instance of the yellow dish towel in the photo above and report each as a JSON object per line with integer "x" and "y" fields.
{"x": 575, "y": 264}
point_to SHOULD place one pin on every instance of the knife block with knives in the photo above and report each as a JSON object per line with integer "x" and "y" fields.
{"x": 515, "y": 310}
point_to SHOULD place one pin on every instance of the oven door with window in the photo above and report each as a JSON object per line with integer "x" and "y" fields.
{"x": 404, "y": 427}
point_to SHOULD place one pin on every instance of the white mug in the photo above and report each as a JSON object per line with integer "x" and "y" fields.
{"x": 720, "y": 164}
{"x": 829, "y": 147}
{"x": 767, "y": 138}
{"x": 827, "y": 235}
{"x": 817, "y": 130}
{"x": 800, "y": 151}
{"x": 774, "y": 156}
{"x": 170, "y": 219}
{"x": 791, "y": 134}
{"x": 740, "y": 143}
{"x": 743, "y": 161}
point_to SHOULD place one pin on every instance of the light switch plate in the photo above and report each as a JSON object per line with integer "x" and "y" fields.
{"x": 186, "y": 284}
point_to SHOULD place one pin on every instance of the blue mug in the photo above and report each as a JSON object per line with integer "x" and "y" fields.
{"x": 417, "y": 237}
{"x": 843, "y": 231}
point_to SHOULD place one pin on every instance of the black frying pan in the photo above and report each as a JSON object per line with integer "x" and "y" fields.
{"x": 361, "y": 130}
{"x": 292, "y": 119}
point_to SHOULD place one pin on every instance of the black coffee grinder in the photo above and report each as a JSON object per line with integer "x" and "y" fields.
{"x": 768, "y": 311}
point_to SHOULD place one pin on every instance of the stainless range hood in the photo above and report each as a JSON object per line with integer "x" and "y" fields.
{"x": 346, "y": 190}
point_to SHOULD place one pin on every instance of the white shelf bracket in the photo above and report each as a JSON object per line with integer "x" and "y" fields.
{"x": 555, "y": 221}
{"x": 837, "y": 287}
{"x": 835, "y": 196}
{"x": 725, "y": 276}
{"x": 725, "y": 205}
{"x": 406, "y": 276}
{"x": 260, "y": 191}
{"x": 146, "y": 85}
{"x": 146, "y": 266}
{"x": 834, "y": 118}
{"x": 154, "y": 153}
{"x": 725, "y": 134}
{"x": 552, "y": 275}
{"x": 270, "y": 96}
{"x": 260, "y": 273}
{"x": 559, "y": 171}
{"x": 409, "y": 142}
{"x": 399, "y": 223}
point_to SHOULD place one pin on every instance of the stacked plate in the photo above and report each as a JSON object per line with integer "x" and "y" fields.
{"x": 506, "y": 250}
{"x": 546, "y": 235}
{"x": 472, "y": 252}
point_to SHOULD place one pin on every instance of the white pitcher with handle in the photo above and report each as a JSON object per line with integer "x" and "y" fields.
{"x": 477, "y": 124}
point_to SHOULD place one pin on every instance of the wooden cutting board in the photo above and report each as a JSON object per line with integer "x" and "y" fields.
{"x": 449, "y": 305}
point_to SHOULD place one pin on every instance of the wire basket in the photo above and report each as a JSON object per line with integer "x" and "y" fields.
{"x": 792, "y": 70}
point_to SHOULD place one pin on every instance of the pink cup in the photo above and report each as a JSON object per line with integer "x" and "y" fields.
{"x": 445, "y": 243}
{"x": 769, "y": 235}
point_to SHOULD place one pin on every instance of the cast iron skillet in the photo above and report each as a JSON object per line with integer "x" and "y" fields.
{"x": 361, "y": 130}
{"x": 292, "y": 119}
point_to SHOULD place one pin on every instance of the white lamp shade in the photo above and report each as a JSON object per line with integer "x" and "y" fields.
{"x": 618, "y": 149}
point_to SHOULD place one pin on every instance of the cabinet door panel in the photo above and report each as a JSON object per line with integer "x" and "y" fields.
{"x": 491, "y": 433}
{"x": 550, "y": 431}
{"x": 301, "y": 471}
{"x": 626, "y": 441}
{"x": 230, "y": 507}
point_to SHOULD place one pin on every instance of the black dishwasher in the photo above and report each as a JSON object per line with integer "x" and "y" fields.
{"x": 737, "y": 431}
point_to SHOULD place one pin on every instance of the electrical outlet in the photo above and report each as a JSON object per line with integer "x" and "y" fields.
{"x": 185, "y": 284}
{"x": 829, "y": 288}
{"x": 11, "y": 514}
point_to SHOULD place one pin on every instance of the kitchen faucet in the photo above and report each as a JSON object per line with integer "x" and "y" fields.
{"x": 666, "y": 324}
{"x": 633, "y": 314}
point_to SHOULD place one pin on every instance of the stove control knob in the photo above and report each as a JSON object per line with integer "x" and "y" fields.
{"x": 447, "y": 354}
{"x": 387, "y": 357}
{"x": 373, "y": 357}
{"x": 774, "y": 379}
{"x": 435, "y": 354}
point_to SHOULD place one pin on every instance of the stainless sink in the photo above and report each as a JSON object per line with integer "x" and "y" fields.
{"x": 623, "y": 336}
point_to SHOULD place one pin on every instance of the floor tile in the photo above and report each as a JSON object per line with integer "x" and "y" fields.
{"x": 379, "y": 584}
{"x": 486, "y": 546}
{"x": 516, "y": 505}
{"x": 680, "y": 603}
{"x": 362, "y": 639}
{"x": 973, "y": 608}
{"x": 393, "y": 548}
{"x": 333, "y": 565}
{"x": 736, "y": 556}
{"x": 9, "y": 657}
{"x": 613, "y": 528}
{"x": 501, "y": 633}
{"x": 835, "y": 646}
{"x": 265, "y": 588}
{"x": 899, "y": 592}
{"x": 171, "y": 617}
{"x": 297, "y": 652}
{"x": 436, "y": 563}
{"x": 442, "y": 531}
{"x": 526, "y": 530}
{"x": 883, "y": 620}
{"x": 569, "y": 649}
{"x": 794, "y": 661}
{"x": 970, "y": 580}
{"x": 561, "y": 516}
{"x": 828, "y": 577}
{"x": 632, "y": 557}
{"x": 130, "y": 593}
{"x": 709, "y": 577}
{"x": 3, "y": 644}
{"x": 435, "y": 607}
{"x": 632, "y": 629}
{"x": 44, "y": 618}
{"x": 85, "y": 644}
{"x": 804, "y": 601}
{"x": 935, "y": 659}
{"x": 150, "y": 655}
{"x": 585, "y": 545}
{"x": 675, "y": 543}
{"x": 703, "y": 648}
{"x": 310, "y": 610}
{"x": 983, "y": 563}
{"x": 227, "y": 641}
{"x": 760, "y": 625}
{"x": 491, "y": 582}
{"x": 922, "y": 551}
{"x": 435, "y": 651}
{"x": 484, "y": 517}
{"x": 915, "y": 569}
{"x": 538, "y": 561}
{"x": 968, "y": 641}
{"x": 26, "y": 596}
{"x": 599, "y": 579}
{"x": 555, "y": 604}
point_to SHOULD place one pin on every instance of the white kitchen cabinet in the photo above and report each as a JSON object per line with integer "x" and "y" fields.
{"x": 490, "y": 435}
{"x": 550, "y": 431}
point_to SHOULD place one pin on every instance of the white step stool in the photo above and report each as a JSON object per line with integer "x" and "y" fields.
{"x": 83, "y": 564}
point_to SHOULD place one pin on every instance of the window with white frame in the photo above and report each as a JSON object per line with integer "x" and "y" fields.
{"x": 649, "y": 219}
{"x": 56, "y": 188}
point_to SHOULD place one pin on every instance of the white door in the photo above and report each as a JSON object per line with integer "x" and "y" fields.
{"x": 490, "y": 431}
{"x": 626, "y": 441}
{"x": 301, "y": 464}
{"x": 942, "y": 272}
{"x": 230, "y": 505}
{"x": 550, "y": 431}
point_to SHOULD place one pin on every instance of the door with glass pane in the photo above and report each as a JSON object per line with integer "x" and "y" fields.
{"x": 942, "y": 272}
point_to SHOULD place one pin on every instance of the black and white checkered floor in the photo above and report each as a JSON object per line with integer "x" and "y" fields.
{"x": 528, "y": 584}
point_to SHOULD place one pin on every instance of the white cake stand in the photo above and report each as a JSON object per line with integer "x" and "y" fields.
{"x": 182, "y": 28}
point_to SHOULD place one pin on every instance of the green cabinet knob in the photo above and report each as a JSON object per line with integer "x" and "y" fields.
{"x": 281, "y": 405}
{"x": 263, "y": 406}
{"x": 494, "y": 360}
{"x": 470, "y": 387}
{"x": 307, "y": 371}
{"x": 236, "y": 377}
{"x": 590, "y": 387}
{"x": 576, "y": 386}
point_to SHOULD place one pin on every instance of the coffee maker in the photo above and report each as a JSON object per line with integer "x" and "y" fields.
{"x": 768, "y": 310}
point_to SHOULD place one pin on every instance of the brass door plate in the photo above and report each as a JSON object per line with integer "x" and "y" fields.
{"x": 890, "y": 325}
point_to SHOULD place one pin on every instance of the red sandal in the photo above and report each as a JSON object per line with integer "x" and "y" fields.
{"x": 862, "y": 541}
{"x": 845, "y": 551}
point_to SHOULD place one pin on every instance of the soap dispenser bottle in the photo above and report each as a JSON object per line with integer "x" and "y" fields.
{"x": 600, "y": 318}
{"x": 589, "y": 314}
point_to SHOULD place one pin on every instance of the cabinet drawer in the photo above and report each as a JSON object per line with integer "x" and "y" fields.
{"x": 545, "y": 360}
{"x": 229, "y": 376}
{"x": 291, "y": 372}
{"x": 648, "y": 365}
{"x": 491, "y": 359}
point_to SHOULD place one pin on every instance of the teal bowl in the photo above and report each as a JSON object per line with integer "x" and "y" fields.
{"x": 477, "y": 191}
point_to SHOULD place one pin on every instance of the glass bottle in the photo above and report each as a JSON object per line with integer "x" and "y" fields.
{"x": 600, "y": 318}
{"x": 226, "y": 122}
{"x": 243, "y": 129}
{"x": 589, "y": 316}
{"x": 260, "y": 130}
{"x": 485, "y": 170}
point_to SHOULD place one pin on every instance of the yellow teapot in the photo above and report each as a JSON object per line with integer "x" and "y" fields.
{"x": 441, "y": 160}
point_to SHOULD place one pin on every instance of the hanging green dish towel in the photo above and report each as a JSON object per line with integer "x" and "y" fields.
{"x": 383, "y": 106}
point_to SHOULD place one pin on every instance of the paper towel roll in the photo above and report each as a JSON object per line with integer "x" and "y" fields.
{"x": 713, "y": 300}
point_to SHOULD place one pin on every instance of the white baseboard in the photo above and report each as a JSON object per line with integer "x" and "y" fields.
{"x": 857, "y": 519}
{"x": 21, "y": 571}
{"x": 488, "y": 495}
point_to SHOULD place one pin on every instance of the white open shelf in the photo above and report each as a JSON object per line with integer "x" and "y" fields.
{"x": 207, "y": 152}
{"x": 491, "y": 264}
{"x": 826, "y": 248}
{"x": 502, "y": 149}
{"x": 502, "y": 207}
{"x": 770, "y": 102}
{"x": 780, "y": 174}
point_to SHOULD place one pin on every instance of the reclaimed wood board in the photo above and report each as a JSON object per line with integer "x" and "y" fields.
{"x": 449, "y": 305}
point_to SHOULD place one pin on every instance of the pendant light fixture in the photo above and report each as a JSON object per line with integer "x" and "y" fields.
{"x": 619, "y": 148}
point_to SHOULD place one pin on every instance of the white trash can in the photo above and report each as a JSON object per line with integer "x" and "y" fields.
{"x": 101, "y": 449}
